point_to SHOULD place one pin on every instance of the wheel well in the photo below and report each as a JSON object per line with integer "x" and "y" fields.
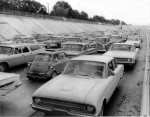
{"x": 104, "y": 102}
{"x": 6, "y": 64}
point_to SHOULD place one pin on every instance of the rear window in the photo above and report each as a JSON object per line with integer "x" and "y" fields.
{"x": 43, "y": 58}
{"x": 34, "y": 47}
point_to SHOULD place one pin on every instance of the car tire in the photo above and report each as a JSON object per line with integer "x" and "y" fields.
{"x": 2, "y": 67}
{"x": 54, "y": 74}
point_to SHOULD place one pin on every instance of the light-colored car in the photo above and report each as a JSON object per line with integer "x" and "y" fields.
{"x": 84, "y": 88}
{"x": 73, "y": 49}
{"x": 136, "y": 41}
{"x": 104, "y": 43}
{"x": 16, "y": 54}
{"x": 46, "y": 65}
{"x": 9, "y": 82}
{"x": 124, "y": 53}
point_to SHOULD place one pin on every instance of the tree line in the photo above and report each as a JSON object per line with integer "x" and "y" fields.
{"x": 61, "y": 9}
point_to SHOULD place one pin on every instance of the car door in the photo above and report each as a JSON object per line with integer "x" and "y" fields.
{"x": 91, "y": 50}
{"x": 57, "y": 63}
{"x": 27, "y": 54}
{"x": 112, "y": 80}
{"x": 18, "y": 57}
{"x": 63, "y": 61}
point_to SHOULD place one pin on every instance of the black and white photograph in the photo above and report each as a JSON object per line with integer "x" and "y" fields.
{"x": 74, "y": 58}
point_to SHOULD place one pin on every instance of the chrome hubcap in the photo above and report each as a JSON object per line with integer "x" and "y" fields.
{"x": 1, "y": 68}
{"x": 54, "y": 75}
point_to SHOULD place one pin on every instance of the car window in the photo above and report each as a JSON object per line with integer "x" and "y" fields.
{"x": 114, "y": 64}
{"x": 110, "y": 67}
{"x": 85, "y": 47}
{"x": 85, "y": 68}
{"x": 25, "y": 49}
{"x": 61, "y": 55}
{"x": 17, "y": 51}
{"x": 41, "y": 57}
{"x": 56, "y": 58}
{"x": 34, "y": 47}
{"x": 6, "y": 50}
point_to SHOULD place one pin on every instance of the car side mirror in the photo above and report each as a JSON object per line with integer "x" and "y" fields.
{"x": 112, "y": 72}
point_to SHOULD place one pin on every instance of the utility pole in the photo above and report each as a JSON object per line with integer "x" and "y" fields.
{"x": 48, "y": 7}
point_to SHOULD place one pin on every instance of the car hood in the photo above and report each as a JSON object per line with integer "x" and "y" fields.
{"x": 68, "y": 87}
{"x": 4, "y": 56}
{"x": 72, "y": 52}
{"x": 119, "y": 54}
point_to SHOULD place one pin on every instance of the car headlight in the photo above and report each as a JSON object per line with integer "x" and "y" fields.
{"x": 131, "y": 60}
{"x": 37, "y": 100}
{"x": 90, "y": 109}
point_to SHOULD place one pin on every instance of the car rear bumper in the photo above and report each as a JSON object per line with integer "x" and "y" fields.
{"x": 37, "y": 76}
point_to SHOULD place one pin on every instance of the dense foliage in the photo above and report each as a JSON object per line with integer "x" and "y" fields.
{"x": 61, "y": 8}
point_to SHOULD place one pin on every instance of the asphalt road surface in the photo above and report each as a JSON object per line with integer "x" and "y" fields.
{"x": 126, "y": 100}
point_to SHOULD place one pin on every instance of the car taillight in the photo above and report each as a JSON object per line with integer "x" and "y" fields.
{"x": 29, "y": 64}
{"x": 51, "y": 67}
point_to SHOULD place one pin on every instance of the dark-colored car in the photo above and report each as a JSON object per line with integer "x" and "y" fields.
{"x": 46, "y": 65}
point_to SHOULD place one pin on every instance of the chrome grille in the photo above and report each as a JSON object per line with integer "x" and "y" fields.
{"x": 121, "y": 59}
{"x": 71, "y": 107}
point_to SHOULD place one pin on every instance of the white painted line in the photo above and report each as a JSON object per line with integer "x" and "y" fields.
{"x": 145, "y": 93}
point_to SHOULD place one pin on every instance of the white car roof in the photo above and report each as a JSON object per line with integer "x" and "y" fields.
{"x": 18, "y": 45}
{"x": 96, "y": 58}
{"x": 124, "y": 43}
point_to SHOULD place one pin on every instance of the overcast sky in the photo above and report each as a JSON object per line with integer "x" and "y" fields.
{"x": 136, "y": 12}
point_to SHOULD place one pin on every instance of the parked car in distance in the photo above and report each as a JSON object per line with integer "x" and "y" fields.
{"x": 17, "y": 54}
{"x": 46, "y": 65}
{"x": 72, "y": 39}
{"x": 8, "y": 82}
{"x": 84, "y": 88}
{"x": 104, "y": 43}
{"x": 117, "y": 38}
{"x": 73, "y": 49}
{"x": 123, "y": 53}
{"x": 136, "y": 41}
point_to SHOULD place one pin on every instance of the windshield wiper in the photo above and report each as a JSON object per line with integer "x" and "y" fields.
{"x": 85, "y": 75}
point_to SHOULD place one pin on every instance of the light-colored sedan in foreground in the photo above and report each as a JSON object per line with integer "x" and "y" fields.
{"x": 84, "y": 87}
{"x": 9, "y": 82}
{"x": 123, "y": 53}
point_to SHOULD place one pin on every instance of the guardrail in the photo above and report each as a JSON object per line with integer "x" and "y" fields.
{"x": 145, "y": 93}
{"x": 35, "y": 15}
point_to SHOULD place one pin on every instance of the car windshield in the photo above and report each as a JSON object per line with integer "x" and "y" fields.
{"x": 5, "y": 50}
{"x": 43, "y": 58}
{"x": 121, "y": 47}
{"x": 72, "y": 47}
{"x": 85, "y": 68}
{"x": 102, "y": 40}
{"x": 73, "y": 39}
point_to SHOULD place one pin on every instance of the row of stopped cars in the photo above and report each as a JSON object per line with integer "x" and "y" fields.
{"x": 86, "y": 82}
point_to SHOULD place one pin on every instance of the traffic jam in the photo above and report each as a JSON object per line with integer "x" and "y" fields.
{"x": 80, "y": 71}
